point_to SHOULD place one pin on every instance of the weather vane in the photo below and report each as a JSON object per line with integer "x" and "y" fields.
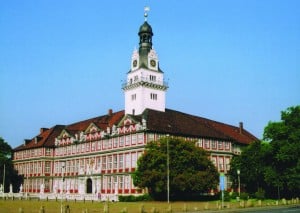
{"x": 146, "y": 10}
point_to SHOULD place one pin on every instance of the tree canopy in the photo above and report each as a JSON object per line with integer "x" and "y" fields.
{"x": 11, "y": 176}
{"x": 284, "y": 136}
{"x": 274, "y": 165}
{"x": 190, "y": 170}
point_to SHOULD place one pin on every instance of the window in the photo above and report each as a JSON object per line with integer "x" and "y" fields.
{"x": 150, "y": 137}
{"x": 140, "y": 137}
{"x": 220, "y": 145}
{"x": 221, "y": 163}
{"x": 103, "y": 162}
{"x": 109, "y": 185}
{"x": 199, "y": 143}
{"x": 48, "y": 152}
{"x": 98, "y": 163}
{"x": 47, "y": 167}
{"x": 152, "y": 78}
{"x": 105, "y": 144}
{"x": 227, "y": 145}
{"x": 206, "y": 144}
{"x": 120, "y": 182}
{"x": 99, "y": 145}
{"x": 127, "y": 160}
{"x": 133, "y": 157}
{"x": 133, "y": 140}
{"x": 115, "y": 163}
{"x": 153, "y": 96}
{"x": 214, "y": 145}
{"x": 127, "y": 182}
{"x": 127, "y": 140}
{"x": 109, "y": 143}
{"x": 121, "y": 143}
{"x": 133, "y": 97}
{"x": 121, "y": 161}
{"x": 109, "y": 163}
{"x": 115, "y": 142}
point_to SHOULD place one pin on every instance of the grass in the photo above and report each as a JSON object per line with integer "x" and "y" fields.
{"x": 34, "y": 206}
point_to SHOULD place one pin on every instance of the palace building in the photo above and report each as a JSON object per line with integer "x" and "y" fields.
{"x": 94, "y": 158}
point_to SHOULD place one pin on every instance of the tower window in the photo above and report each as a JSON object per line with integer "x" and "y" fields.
{"x": 133, "y": 97}
{"x": 152, "y": 78}
{"x": 153, "y": 96}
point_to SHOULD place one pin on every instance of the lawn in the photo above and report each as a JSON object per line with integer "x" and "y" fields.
{"x": 34, "y": 206}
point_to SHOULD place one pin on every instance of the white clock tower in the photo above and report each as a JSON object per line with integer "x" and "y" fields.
{"x": 145, "y": 86}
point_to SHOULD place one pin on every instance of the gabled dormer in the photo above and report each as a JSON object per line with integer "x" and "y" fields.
{"x": 93, "y": 132}
{"x": 64, "y": 138}
{"x": 129, "y": 124}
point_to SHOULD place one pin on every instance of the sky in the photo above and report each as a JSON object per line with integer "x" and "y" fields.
{"x": 64, "y": 61}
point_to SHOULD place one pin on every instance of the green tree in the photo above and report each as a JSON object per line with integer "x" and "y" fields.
{"x": 283, "y": 172}
{"x": 190, "y": 170}
{"x": 252, "y": 165}
{"x": 11, "y": 175}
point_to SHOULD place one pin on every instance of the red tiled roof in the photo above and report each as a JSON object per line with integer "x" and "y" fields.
{"x": 169, "y": 122}
{"x": 178, "y": 123}
{"x": 46, "y": 138}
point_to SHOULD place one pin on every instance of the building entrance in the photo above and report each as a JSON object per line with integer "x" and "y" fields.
{"x": 89, "y": 186}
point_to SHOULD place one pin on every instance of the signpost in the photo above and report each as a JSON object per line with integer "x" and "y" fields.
{"x": 222, "y": 186}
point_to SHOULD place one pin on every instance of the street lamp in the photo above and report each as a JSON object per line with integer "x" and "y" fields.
{"x": 168, "y": 171}
{"x": 63, "y": 164}
{"x": 239, "y": 181}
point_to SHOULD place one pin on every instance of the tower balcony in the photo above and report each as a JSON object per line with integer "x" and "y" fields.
{"x": 163, "y": 85}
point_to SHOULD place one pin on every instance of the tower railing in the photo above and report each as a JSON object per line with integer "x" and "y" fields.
{"x": 127, "y": 83}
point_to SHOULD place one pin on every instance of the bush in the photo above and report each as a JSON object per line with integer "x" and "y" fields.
{"x": 234, "y": 195}
{"x": 131, "y": 198}
{"x": 226, "y": 196}
{"x": 244, "y": 196}
{"x": 260, "y": 194}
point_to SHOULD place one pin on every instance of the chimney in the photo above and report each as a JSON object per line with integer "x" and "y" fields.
{"x": 110, "y": 112}
{"x": 241, "y": 127}
{"x": 26, "y": 141}
{"x": 43, "y": 130}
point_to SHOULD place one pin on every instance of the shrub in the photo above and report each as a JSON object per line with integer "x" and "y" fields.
{"x": 244, "y": 196}
{"x": 226, "y": 196}
{"x": 131, "y": 198}
{"x": 260, "y": 194}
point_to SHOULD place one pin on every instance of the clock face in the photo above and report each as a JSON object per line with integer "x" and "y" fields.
{"x": 153, "y": 63}
{"x": 134, "y": 63}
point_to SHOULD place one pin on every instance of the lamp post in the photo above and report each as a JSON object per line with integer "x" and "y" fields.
{"x": 168, "y": 171}
{"x": 239, "y": 182}
{"x": 3, "y": 179}
{"x": 63, "y": 163}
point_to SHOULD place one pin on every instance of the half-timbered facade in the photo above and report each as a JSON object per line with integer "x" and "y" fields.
{"x": 97, "y": 156}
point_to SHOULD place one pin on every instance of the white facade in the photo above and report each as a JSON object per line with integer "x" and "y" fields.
{"x": 145, "y": 86}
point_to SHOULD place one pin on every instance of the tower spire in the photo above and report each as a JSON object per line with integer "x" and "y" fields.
{"x": 146, "y": 10}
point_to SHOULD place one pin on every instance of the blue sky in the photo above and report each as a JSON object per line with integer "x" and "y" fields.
{"x": 64, "y": 61}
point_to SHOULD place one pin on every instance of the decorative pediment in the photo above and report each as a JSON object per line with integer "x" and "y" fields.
{"x": 127, "y": 120}
{"x": 92, "y": 128}
{"x": 64, "y": 138}
{"x": 64, "y": 134}
{"x": 129, "y": 124}
{"x": 93, "y": 132}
